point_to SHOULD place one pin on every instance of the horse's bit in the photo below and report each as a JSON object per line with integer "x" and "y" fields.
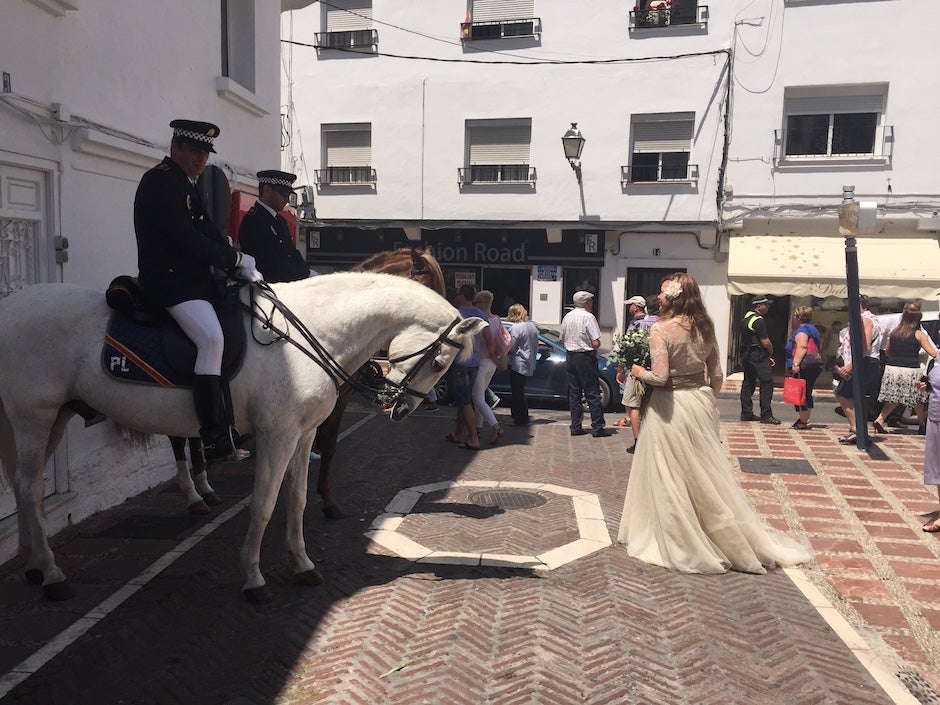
{"x": 370, "y": 382}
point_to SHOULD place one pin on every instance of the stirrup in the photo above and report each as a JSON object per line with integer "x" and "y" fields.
{"x": 217, "y": 444}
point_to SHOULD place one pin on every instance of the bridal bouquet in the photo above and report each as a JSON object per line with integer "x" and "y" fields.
{"x": 631, "y": 348}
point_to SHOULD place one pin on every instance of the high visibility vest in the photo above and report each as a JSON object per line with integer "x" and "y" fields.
{"x": 750, "y": 318}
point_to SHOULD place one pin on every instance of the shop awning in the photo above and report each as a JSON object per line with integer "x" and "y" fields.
{"x": 803, "y": 265}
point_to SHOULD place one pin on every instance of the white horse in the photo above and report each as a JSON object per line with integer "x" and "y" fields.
{"x": 50, "y": 354}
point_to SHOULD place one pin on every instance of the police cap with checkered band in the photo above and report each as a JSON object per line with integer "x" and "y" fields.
{"x": 197, "y": 134}
{"x": 282, "y": 181}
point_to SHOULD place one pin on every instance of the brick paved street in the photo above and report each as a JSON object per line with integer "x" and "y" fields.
{"x": 603, "y": 628}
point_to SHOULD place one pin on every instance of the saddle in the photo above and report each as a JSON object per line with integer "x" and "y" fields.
{"x": 146, "y": 346}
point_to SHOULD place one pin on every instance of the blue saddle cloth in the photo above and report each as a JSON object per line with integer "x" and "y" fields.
{"x": 157, "y": 352}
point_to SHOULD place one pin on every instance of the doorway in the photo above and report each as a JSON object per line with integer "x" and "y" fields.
{"x": 644, "y": 282}
{"x": 510, "y": 285}
{"x": 24, "y": 259}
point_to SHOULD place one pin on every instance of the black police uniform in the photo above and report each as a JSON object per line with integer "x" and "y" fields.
{"x": 756, "y": 368}
{"x": 267, "y": 239}
{"x": 176, "y": 239}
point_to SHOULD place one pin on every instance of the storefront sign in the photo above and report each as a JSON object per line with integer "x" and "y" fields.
{"x": 547, "y": 273}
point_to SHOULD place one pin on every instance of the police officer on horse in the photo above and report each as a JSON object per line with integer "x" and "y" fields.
{"x": 178, "y": 247}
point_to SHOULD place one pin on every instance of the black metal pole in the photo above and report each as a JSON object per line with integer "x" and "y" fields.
{"x": 856, "y": 332}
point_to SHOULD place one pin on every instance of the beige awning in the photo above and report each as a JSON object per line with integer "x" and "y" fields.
{"x": 803, "y": 265}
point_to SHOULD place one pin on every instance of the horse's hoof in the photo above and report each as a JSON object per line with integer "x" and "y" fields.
{"x": 34, "y": 576}
{"x": 212, "y": 499}
{"x": 259, "y": 595}
{"x": 57, "y": 592}
{"x": 333, "y": 512}
{"x": 199, "y": 508}
{"x": 309, "y": 578}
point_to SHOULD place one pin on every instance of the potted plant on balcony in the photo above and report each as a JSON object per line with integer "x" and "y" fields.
{"x": 657, "y": 12}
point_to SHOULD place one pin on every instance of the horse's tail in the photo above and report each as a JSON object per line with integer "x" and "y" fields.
{"x": 7, "y": 450}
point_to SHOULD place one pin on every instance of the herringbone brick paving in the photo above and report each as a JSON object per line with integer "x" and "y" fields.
{"x": 604, "y": 629}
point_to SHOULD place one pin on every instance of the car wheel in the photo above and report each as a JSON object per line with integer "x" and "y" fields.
{"x": 606, "y": 395}
{"x": 444, "y": 392}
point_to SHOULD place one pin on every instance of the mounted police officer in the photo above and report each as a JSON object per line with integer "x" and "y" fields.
{"x": 177, "y": 248}
{"x": 264, "y": 232}
{"x": 758, "y": 353}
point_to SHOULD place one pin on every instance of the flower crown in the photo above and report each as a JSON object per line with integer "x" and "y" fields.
{"x": 672, "y": 289}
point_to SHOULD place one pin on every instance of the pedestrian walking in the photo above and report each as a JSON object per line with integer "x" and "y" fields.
{"x": 581, "y": 337}
{"x": 523, "y": 357}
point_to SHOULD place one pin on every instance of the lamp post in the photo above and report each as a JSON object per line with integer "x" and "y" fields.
{"x": 573, "y": 143}
{"x": 856, "y": 219}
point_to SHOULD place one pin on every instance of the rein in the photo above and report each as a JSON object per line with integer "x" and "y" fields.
{"x": 378, "y": 389}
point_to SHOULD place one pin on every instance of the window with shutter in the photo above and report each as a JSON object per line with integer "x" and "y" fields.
{"x": 661, "y": 146}
{"x": 827, "y": 122}
{"x": 347, "y": 154}
{"x": 497, "y": 151}
{"x": 348, "y": 25}
{"x": 500, "y": 19}
{"x": 833, "y": 122}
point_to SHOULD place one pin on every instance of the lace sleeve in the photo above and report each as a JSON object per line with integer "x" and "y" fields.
{"x": 713, "y": 369}
{"x": 659, "y": 360}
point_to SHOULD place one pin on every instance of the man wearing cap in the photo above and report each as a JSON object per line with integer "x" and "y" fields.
{"x": 631, "y": 400}
{"x": 264, "y": 232}
{"x": 758, "y": 353}
{"x": 177, "y": 248}
{"x": 636, "y": 310}
{"x": 581, "y": 337}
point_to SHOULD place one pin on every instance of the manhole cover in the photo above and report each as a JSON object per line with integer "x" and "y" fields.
{"x": 777, "y": 466}
{"x": 507, "y": 499}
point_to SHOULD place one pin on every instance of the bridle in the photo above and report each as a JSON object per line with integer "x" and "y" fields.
{"x": 370, "y": 382}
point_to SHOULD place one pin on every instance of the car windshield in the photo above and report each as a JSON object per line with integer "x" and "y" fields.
{"x": 550, "y": 334}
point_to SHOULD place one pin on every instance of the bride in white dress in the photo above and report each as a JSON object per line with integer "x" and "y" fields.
{"x": 684, "y": 509}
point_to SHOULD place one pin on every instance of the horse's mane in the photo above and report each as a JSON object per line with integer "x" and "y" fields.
{"x": 416, "y": 263}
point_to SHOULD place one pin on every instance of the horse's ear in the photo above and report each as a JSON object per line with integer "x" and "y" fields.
{"x": 471, "y": 326}
{"x": 416, "y": 257}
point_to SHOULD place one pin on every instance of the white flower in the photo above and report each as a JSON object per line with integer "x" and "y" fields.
{"x": 672, "y": 289}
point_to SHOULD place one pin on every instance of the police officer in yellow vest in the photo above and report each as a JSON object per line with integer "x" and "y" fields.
{"x": 758, "y": 354}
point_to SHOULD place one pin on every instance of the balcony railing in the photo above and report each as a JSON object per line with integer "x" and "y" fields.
{"x": 643, "y": 174}
{"x": 669, "y": 16}
{"x": 842, "y": 145}
{"x": 345, "y": 175}
{"x": 501, "y": 29}
{"x": 352, "y": 39}
{"x": 496, "y": 174}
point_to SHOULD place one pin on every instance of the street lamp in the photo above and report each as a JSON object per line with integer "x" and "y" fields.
{"x": 573, "y": 142}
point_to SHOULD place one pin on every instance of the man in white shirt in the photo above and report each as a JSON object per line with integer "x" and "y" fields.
{"x": 581, "y": 337}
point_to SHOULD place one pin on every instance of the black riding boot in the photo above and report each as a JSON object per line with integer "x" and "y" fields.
{"x": 214, "y": 429}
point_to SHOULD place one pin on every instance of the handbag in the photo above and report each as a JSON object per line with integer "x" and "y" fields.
{"x": 794, "y": 391}
{"x": 812, "y": 358}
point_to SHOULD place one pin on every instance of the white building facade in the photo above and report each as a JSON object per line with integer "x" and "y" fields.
{"x": 89, "y": 89}
{"x": 439, "y": 122}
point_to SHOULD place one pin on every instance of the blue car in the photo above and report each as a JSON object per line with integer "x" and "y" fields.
{"x": 550, "y": 381}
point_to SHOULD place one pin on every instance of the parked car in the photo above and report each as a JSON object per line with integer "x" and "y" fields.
{"x": 550, "y": 381}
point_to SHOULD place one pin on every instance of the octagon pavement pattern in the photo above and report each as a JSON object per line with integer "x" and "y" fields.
{"x": 158, "y": 617}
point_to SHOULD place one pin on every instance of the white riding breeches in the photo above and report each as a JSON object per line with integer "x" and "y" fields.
{"x": 200, "y": 323}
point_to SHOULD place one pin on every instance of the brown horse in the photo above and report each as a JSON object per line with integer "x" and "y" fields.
{"x": 417, "y": 264}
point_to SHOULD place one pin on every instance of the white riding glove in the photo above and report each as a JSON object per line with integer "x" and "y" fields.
{"x": 246, "y": 261}
{"x": 249, "y": 274}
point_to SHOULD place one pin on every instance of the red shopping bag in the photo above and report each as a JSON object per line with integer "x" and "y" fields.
{"x": 794, "y": 391}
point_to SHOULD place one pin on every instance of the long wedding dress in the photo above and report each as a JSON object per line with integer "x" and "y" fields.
{"x": 684, "y": 509}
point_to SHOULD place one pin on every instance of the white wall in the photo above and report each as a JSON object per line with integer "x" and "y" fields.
{"x": 123, "y": 71}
